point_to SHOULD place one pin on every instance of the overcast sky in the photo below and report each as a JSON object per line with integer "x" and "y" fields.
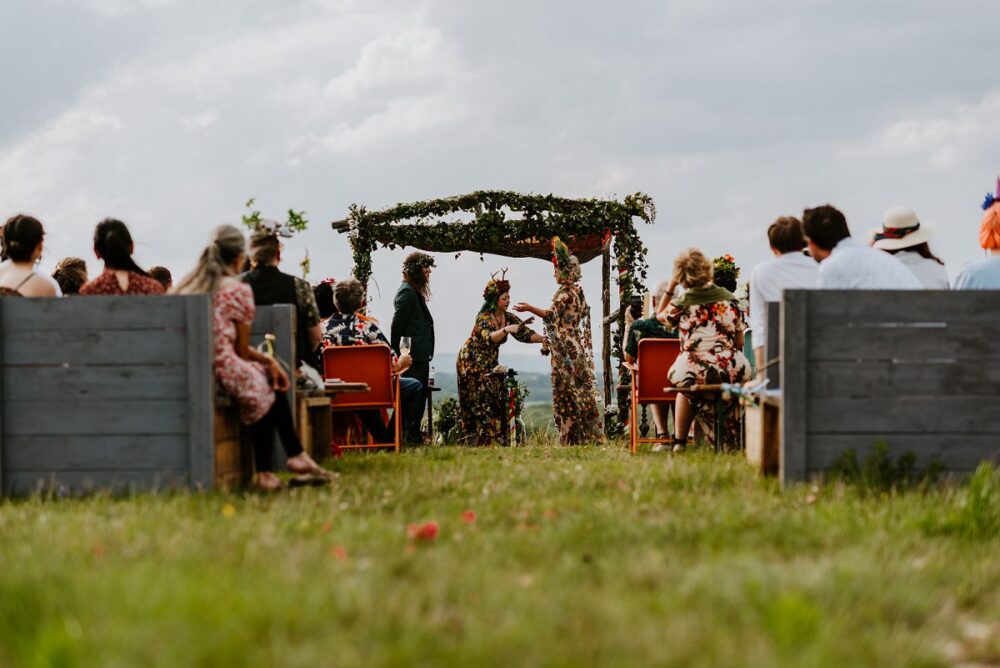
{"x": 170, "y": 114}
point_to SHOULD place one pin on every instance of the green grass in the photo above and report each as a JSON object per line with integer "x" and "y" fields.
{"x": 578, "y": 557}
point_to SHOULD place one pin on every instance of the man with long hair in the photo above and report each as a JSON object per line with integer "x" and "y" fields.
{"x": 413, "y": 319}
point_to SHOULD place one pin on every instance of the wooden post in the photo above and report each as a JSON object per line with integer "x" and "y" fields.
{"x": 605, "y": 323}
{"x": 201, "y": 391}
{"x": 794, "y": 402}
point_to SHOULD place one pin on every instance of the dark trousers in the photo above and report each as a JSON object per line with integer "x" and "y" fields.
{"x": 411, "y": 400}
{"x": 277, "y": 420}
{"x": 413, "y": 411}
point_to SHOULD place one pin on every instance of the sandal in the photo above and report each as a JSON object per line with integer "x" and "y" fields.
{"x": 266, "y": 481}
{"x": 680, "y": 444}
{"x": 304, "y": 464}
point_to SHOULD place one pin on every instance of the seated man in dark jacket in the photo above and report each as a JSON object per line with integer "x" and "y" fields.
{"x": 272, "y": 286}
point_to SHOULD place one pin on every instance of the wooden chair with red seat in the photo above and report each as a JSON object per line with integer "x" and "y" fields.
{"x": 649, "y": 380}
{"x": 370, "y": 364}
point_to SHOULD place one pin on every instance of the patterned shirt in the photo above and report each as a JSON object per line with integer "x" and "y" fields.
{"x": 351, "y": 330}
{"x": 107, "y": 284}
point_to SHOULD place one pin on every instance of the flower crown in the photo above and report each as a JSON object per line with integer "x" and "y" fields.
{"x": 725, "y": 264}
{"x": 496, "y": 286}
{"x": 417, "y": 261}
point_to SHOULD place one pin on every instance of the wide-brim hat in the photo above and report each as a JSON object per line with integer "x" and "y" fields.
{"x": 901, "y": 229}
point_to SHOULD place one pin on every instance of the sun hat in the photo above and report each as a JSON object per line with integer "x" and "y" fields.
{"x": 901, "y": 229}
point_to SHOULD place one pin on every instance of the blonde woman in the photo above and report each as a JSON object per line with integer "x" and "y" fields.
{"x": 710, "y": 326}
{"x": 256, "y": 381}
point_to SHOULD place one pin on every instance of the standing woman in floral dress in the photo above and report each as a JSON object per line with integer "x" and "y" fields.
{"x": 479, "y": 355}
{"x": 567, "y": 326}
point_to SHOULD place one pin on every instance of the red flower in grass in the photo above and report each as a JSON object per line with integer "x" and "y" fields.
{"x": 469, "y": 516}
{"x": 427, "y": 531}
{"x": 339, "y": 552}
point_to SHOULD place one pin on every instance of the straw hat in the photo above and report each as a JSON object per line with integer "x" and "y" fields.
{"x": 901, "y": 229}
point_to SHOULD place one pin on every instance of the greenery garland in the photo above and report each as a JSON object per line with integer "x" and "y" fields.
{"x": 542, "y": 217}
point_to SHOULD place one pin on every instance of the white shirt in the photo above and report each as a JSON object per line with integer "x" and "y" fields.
{"x": 853, "y": 265}
{"x": 767, "y": 282}
{"x": 931, "y": 273}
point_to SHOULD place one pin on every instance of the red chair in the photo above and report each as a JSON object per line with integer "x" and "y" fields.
{"x": 370, "y": 364}
{"x": 649, "y": 381}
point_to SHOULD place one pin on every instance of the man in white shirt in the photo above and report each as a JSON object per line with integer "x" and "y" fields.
{"x": 790, "y": 268}
{"x": 846, "y": 264}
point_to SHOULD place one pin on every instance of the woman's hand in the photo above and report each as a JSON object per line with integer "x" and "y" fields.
{"x": 522, "y": 307}
{"x": 279, "y": 379}
{"x": 511, "y": 329}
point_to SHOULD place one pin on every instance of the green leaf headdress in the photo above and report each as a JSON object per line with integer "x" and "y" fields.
{"x": 567, "y": 266}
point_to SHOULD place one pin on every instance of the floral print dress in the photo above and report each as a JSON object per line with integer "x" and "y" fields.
{"x": 246, "y": 381}
{"x": 574, "y": 387}
{"x": 478, "y": 393}
{"x": 709, "y": 354}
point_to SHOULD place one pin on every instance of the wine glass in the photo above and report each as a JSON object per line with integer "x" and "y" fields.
{"x": 404, "y": 345}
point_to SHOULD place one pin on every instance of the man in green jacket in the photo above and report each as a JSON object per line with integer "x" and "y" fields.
{"x": 412, "y": 318}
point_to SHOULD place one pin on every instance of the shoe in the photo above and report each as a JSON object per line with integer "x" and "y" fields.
{"x": 679, "y": 446}
{"x": 304, "y": 464}
{"x": 660, "y": 447}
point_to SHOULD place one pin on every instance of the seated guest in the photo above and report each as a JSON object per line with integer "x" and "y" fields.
{"x": 323, "y": 292}
{"x": 711, "y": 332}
{"x": 725, "y": 273}
{"x": 790, "y": 269}
{"x": 985, "y": 274}
{"x": 22, "y": 248}
{"x": 847, "y": 264}
{"x": 272, "y": 286}
{"x": 122, "y": 276}
{"x": 70, "y": 274}
{"x": 905, "y": 237}
{"x": 351, "y": 327}
{"x": 649, "y": 328}
{"x": 256, "y": 381}
{"x": 163, "y": 275}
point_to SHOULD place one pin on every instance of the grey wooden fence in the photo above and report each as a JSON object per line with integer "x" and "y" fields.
{"x": 279, "y": 320}
{"x": 105, "y": 392}
{"x": 918, "y": 371}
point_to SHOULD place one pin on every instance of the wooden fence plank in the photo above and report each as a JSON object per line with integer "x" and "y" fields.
{"x": 114, "y": 480}
{"x": 794, "y": 415}
{"x": 904, "y": 415}
{"x": 89, "y": 453}
{"x": 81, "y": 314}
{"x": 96, "y": 382}
{"x": 958, "y": 452}
{"x": 201, "y": 392}
{"x": 916, "y": 341}
{"x": 36, "y": 418}
{"x": 837, "y": 307}
{"x": 280, "y": 320}
{"x": 772, "y": 347}
{"x": 48, "y": 348}
{"x": 957, "y": 378}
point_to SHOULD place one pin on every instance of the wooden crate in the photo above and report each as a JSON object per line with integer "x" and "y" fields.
{"x": 762, "y": 430}
{"x": 315, "y": 425}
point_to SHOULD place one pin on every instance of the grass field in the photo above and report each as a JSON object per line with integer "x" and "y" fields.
{"x": 574, "y": 557}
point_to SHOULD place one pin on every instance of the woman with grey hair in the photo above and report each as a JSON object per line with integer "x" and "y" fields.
{"x": 256, "y": 381}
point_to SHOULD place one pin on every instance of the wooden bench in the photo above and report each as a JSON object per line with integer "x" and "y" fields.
{"x": 918, "y": 371}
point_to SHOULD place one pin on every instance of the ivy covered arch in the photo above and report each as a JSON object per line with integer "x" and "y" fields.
{"x": 512, "y": 224}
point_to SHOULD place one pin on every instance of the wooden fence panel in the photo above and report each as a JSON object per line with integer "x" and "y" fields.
{"x": 106, "y": 393}
{"x": 918, "y": 371}
{"x": 278, "y": 319}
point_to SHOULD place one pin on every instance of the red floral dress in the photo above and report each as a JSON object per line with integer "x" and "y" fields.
{"x": 245, "y": 380}
{"x": 107, "y": 284}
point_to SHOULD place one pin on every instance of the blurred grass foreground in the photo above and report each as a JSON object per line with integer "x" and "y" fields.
{"x": 535, "y": 556}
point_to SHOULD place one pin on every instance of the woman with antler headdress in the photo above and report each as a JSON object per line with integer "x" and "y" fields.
{"x": 479, "y": 356}
{"x": 567, "y": 325}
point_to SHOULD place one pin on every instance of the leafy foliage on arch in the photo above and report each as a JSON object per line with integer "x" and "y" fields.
{"x": 493, "y": 230}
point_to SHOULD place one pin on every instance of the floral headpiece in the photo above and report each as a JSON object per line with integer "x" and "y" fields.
{"x": 496, "y": 286}
{"x": 567, "y": 266}
{"x": 725, "y": 264}
{"x": 416, "y": 261}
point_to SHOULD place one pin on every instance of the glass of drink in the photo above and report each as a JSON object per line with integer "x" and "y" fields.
{"x": 404, "y": 345}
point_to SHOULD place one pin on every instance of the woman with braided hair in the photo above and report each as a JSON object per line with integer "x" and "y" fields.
{"x": 479, "y": 355}
{"x": 567, "y": 326}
